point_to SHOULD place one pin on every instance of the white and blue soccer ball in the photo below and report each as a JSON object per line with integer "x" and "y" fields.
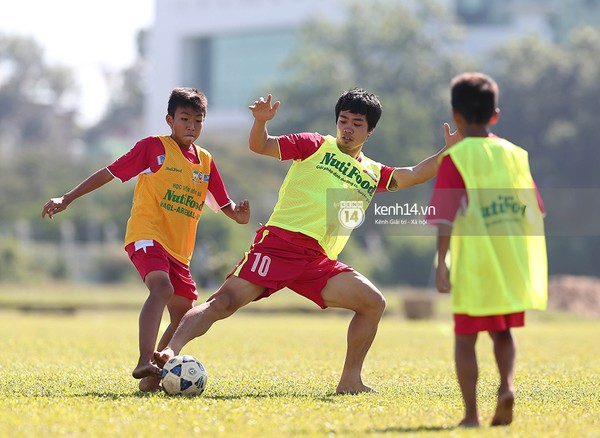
{"x": 184, "y": 375}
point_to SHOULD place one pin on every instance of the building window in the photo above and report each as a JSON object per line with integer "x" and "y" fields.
{"x": 231, "y": 69}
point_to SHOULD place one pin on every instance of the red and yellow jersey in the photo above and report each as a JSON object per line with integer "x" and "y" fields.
{"x": 167, "y": 204}
{"x": 321, "y": 177}
{"x": 147, "y": 157}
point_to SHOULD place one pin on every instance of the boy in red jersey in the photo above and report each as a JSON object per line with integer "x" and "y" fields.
{"x": 298, "y": 248}
{"x": 174, "y": 178}
{"x": 488, "y": 210}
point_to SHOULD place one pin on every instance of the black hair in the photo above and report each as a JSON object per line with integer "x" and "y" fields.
{"x": 359, "y": 101}
{"x": 187, "y": 98}
{"x": 475, "y": 97}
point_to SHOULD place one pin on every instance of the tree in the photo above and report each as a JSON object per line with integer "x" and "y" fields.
{"x": 549, "y": 102}
{"x": 400, "y": 52}
{"x": 123, "y": 116}
{"x": 392, "y": 49}
{"x": 34, "y": 96}
{"x": 549, "y": 105}
{"x": 37, "y": 127}
{"x": 405, "y": 53}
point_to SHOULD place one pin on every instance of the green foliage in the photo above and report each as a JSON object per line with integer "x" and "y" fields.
{"x": 394, "y": 57}
{"x": 405, "y": 52}
{"x": 12, "y": 261}
{"x": 549, "y": 103}
{"x": 70, "y": 376}
{"x": 111, "y": 266}
{"x": 398, "y": 58}
{"x": 549, "y": 97}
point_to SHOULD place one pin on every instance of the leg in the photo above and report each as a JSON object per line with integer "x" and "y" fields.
{"x": 177, "y": 307}
{"x": 504, "y": 351}
{"x": 160, "y": 292}
{"x": 465, "y": 359}
{"x": 351, "y": 290}
{"x": 232, "y": 295}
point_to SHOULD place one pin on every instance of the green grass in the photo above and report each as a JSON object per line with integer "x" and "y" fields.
{"x": 274, "y": 374}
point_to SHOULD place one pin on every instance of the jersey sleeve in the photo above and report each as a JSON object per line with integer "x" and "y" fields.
{"x": 144, "y": 157}
{"x": 386, "y": 178}
{"x": 539, "y": 199}
{"x": 217, "y": 192}
{"x": 299, "y": 146}
{"x": 449, "y": 193}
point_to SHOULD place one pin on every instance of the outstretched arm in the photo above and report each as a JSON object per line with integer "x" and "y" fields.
{"x": 93, "y": 182}
{"x": 410, "y": 176}
{"x": 239, "y": 213}
{"x": 260, "y": 141}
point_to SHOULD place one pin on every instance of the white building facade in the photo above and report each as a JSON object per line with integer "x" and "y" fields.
{"x": 231, "y": 48}
{"x": 226, "y": 48}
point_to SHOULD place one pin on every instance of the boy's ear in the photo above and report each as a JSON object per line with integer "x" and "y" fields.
{"x": 169, "y": 120}
{"x": 495, "y": 117}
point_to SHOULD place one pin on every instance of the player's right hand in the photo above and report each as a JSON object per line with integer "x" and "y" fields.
{"x": 262, "y": 109}
{"x": 53, "y": 206}
{"x": 442, "y": 278}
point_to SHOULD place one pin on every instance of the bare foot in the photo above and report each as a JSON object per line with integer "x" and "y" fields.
{"x": 161, "y": 357}
{"x": 146, "y": 370}
{"x": 342, "y": 389}
{"x": 504, "y": 409}
{"x": 469, "y": 422}
{"x": 149, "y": 384}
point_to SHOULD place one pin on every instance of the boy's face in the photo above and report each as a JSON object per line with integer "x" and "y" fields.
{"x": 352, "y": 130}
{"x": 186, "y": 125}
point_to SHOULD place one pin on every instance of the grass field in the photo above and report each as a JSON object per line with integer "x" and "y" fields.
{"x": 273, "y": 374}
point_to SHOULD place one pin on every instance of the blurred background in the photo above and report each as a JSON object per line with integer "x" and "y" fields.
{"x": 81, "y": 82}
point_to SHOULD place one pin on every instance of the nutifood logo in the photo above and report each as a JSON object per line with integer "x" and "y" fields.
{"x": 503, "y": 205}
{"x": 182, "y": 203}
{"x": 503, "y": 209}
{"x": 350, "y": 171}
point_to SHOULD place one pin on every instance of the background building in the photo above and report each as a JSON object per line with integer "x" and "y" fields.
{"x": 232, "y": 49}
{"x": 227, "y": 48}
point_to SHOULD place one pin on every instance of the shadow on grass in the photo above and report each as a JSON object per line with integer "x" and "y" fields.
{"x": 324, "y": 397}
{"x": 266, "y": 395}
{"x": 401, "y": 429}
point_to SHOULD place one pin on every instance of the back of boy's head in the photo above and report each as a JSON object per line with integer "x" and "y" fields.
{"x": 474, "y": 96}
{"x": 359, "y": 101}
{"x": 187, "y": 98}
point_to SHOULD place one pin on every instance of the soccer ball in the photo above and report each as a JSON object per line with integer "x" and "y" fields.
{"x": 184, "y": 375}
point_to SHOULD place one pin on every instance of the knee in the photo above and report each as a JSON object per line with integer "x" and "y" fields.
{"x": 381, "y": 302}
{"x": 376, "y": 302}
{"x": 501, "y": 336}
{"x": 160, "y": 287}
{"x": 222, "y": 304}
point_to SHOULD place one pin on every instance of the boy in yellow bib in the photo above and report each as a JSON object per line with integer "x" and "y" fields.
{"x": 174, "y": 180}
{"x": 298, "y": 248}
{"x": 489, "y": 212}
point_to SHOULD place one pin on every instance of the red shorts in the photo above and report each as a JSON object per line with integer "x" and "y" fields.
{"x": 275, "y": 263}
{"x": 465, "y": 325}
{"x": 151, "y": 256}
